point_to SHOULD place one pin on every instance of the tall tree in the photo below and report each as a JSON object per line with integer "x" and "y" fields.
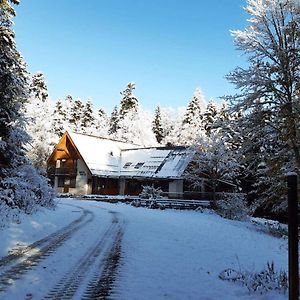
{"x": 272, "y": 43}
{"x": 39, "y": 112}
{"x": 129, "y": 102}
{"x": 88, "y": 121}
{"x": 113, "y": 121}
{"x": 38, "y": 87}
{"x": 157, "y": 125}
{"x": 194, "y": 109}
{"x": 20, "y": 184}
{"x": 192, "y": 124}
{"x": 269, "y": 94}
{"x": 210, "y": 116}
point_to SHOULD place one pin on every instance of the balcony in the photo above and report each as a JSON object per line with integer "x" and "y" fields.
{"x": 71, "y": 172}
{"x": 65, "y": 171}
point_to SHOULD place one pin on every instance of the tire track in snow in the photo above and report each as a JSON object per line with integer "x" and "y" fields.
{"x": 103, "y": 287}
{"x": 21, "y": 252}
{"x": 34, "y": 253}
{"x": 104, "y": 249}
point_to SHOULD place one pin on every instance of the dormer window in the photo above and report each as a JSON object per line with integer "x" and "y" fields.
{"x": 127, "y": 165}
{"x": 138, "y": 165}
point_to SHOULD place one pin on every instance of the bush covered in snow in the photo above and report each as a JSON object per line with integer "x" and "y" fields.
{"x": 260, "y": 282}
{"x": 25, "y": 189}
{"x": 150, "y": 192}
{"x": 233, "y": 206}
{"x": 136, "y": 203}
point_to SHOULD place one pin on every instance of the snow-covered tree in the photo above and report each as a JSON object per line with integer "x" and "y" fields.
{"x": 59, "y": 119}
{"x": 192, "y": 124}
{"x": 88, "y": 121}
{"x": 210, "y": 117}
{"x": 20, "y": 184}
{"x": 194, "y": 109}
{"x": 270, "y": 82}
{"x": 102, "y": 123}
{"x": 214, "y": 161}
{"x": 38, "y": 110}
{"x": 113, "y": 121}
{"x": 135, "y": 127}
{"x": 129, "y": 102}
{"x": 157, "y": 125}
{"x": 38, "y": 87}
{"x": 171, "y": 120}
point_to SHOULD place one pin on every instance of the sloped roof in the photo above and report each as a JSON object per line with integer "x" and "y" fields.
{"x": 158, "y": 162}
{"x": 101, "y": 155}
{"x": 106, "y": 157}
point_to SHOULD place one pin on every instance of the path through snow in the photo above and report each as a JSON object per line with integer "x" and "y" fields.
{"x": 92, "y": 250}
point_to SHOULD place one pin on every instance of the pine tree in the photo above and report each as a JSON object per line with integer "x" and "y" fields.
{"x": 113, "y": 121}
{"x": 192, "y": 124}
{"x": 59, "y": 119}
{"x": 209, "y": 117}
{"x": 20, "y": 184}
{"x": 194, "y": 109}
{"x": 101, "y": 123}
{"x": 38, "y": 87}
{"x": 38, "y": 110}
{"x": 129, "y": 103}
{"x": 157, "y": 125}
{"x": 88, "y": 124}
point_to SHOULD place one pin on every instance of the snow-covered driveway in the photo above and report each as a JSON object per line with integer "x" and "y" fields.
{"x": 115, "y": 251}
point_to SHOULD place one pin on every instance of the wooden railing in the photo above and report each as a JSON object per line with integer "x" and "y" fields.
{"x": 62, "y": 171}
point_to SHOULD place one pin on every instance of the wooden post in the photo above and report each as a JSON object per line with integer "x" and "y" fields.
{"x": 293, "y": 237}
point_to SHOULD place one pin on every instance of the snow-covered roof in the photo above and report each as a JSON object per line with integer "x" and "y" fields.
{"x": 101, "y": 155}
{"x": 154, "y": 162}
{"x": 106, "y": 157}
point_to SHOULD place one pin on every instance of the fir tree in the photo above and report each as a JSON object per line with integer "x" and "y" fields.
{"x": 157, "y": 125}
{"x": 20, "y": 184}
{"x": 193, "y": 113}
{"x": 209, "y": 117}
{"x": 129, "y": 103}
{"x": 113, "y": 121}
{"x": 38, "y": 110}
{"x": 59, "y": 119}
{"x": 38, "y": 87}
{"x": 88, "y": 118}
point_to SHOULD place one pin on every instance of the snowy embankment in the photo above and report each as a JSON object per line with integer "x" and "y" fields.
{"x": 166, "y": 254}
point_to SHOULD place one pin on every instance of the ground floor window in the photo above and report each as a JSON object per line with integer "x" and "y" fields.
{"x": 61, "y": 181}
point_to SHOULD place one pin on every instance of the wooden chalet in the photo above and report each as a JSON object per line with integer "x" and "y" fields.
{"x": 84, "y": 164}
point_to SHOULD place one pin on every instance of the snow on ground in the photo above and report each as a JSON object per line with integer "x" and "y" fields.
{"x": 32, "y": 228}
{"x": 166, "y": 254}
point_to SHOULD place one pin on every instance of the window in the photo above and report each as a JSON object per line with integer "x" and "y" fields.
{"x": 58, "y": 164}
{"x": 73, "y": 182}
{"x": 138, "y": 165}
{"x": 61, "y": 181}
{"x": 127, "y": 165}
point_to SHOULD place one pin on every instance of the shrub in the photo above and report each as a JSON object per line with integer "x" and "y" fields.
{"x": 233, "y": 206}
{"x": 260, "y": 282}
{"x": 150, "y": 192}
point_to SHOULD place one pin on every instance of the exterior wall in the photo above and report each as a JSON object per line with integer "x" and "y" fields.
{"x": 122, "y": 186}
{"x": 83, "y": 180}
{"x": 58, "y": 189}
{"x": 176, "y": 188}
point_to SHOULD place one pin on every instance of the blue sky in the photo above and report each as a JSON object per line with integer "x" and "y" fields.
{"x": 91, "y": 49}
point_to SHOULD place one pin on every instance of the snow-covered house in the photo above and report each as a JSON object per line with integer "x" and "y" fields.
{"x": 84, "y": 164}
